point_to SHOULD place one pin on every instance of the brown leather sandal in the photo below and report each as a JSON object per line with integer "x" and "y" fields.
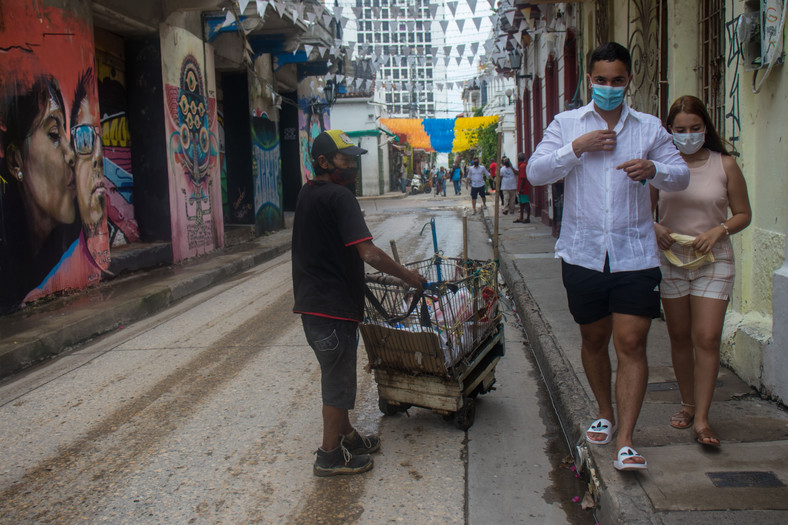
{"x": 706, "y": 437}
{"x": 682, "y": 419}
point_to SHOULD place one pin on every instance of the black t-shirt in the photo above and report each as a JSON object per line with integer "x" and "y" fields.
{"x": 328, "y": 273}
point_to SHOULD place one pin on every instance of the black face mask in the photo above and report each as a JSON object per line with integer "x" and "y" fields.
{"x": 343, "y": 177}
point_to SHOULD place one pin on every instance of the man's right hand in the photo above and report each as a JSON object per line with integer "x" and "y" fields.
{"x": 414, "y": 280}
{"x": 598, "y": 140}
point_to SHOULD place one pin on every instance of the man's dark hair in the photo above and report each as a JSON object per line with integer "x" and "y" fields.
{"x": 81, "y": 93}
{"x": 609, "y": 52}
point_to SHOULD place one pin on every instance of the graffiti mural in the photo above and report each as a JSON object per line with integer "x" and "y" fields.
{"x": 115, "y": 137}
{"x": 732, "y": 62}
{"x": 313, "y": 118}
{"x": 192, "y": 146}
{"x": 53, "y": 214}
{"x": 267, "y": 182}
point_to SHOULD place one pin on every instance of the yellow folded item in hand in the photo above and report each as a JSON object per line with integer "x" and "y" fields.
{"x": 700, "y": 258}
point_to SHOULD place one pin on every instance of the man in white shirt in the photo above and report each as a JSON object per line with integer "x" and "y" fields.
{"x": 476, "y": 179}
{"x": 606, "y": 153}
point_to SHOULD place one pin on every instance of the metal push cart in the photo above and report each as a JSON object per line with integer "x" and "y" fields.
{"x": 436, "y": 350}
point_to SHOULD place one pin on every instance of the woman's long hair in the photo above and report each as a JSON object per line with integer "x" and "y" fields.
{"x": 695, "y": 106}
{"x": 21, "y": 107}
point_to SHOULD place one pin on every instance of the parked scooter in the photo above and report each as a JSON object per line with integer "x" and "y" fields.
{"x": 417, "y": 185}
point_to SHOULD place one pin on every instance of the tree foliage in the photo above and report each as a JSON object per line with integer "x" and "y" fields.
{"x": 488, "y": 143}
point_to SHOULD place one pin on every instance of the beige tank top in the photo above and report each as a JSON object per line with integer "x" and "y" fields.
{"x": 703, "y": 205}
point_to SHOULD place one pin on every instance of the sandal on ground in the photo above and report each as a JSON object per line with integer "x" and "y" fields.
{"x": 601, "y": 426}
{"x": 682, "y": 419}
{"x": 629, "y": 453}
{"x": 706, "y": 437}
{"x": 518, "y": 220}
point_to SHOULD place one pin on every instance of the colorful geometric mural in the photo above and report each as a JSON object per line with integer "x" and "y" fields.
{"x": 53, "y": 215}
{"x": 192, "y": 146}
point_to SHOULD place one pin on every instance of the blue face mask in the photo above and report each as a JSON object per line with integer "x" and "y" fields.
{"x": 607, "y": 98}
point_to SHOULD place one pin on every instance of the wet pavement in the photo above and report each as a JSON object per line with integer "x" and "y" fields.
{"x": 202, "y": 410}
{"x": 745, "y": 482}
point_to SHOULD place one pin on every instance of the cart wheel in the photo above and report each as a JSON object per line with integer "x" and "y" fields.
{"x": 463, "y": 418}
{"x": 427, "y": 189}
{"x": 390, "y": 409}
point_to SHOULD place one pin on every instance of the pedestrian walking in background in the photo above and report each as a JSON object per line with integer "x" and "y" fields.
{"x": 523, "y": 190}
{"x": 696, "y": 288}
{"x": 477, "y": 176}
{"x": 403, "y": 178}
{"x": 606, "y": 152}
{"x": 330, "y": 244}
{"x": 493, "y": 169}
{"x": 444, "y": 178}
{"x": 508, "y": 185}
{"x": 456, "y": 178}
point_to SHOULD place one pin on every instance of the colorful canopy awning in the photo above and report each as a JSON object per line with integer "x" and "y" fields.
{"x": 443, "y": 135}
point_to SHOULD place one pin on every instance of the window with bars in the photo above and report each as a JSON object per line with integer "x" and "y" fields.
{"x": 712, "y": 53}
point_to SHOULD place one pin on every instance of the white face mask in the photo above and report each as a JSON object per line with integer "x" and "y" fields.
{"x": 689, "y": 143}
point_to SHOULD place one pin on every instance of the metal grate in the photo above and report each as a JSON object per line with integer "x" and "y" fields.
{"x": 755, "y": 479}
{"x": 712, "y": 65}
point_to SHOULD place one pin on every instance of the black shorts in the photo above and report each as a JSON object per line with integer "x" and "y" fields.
{"x": 335, "y": 343}
{"x": 594, "y": 295}
{"x": 477, "y": 191}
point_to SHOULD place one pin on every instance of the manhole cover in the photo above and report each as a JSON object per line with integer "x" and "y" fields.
{"x": 756, "y": 479}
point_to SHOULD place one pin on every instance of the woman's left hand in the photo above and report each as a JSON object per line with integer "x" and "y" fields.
{"x": 706, "y": 240}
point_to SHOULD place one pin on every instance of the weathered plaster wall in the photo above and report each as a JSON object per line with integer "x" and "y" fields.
{"x": 756, "y": 125}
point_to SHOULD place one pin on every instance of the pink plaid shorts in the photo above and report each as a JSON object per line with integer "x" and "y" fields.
{"x": 713, "y": 280}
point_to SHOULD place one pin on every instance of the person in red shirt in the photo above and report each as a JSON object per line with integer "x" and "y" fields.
{"x": 523, "y": 190}
{"x": 493, "y": 172}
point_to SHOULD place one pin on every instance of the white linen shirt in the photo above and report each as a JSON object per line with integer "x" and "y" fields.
{"x": 477, "y": 174}
{"x": 605, "y": 212}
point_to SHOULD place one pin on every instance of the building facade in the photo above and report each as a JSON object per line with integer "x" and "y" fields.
{"x": 730, "y": 54}
{"x": 155, "y": 125}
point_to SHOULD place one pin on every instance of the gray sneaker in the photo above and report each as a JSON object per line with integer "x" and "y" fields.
{"x": 340, "y": 461}
{"x": 358, "y": 444}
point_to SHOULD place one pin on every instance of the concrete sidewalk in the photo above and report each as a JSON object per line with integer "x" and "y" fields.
{"x": 743, "y": 482}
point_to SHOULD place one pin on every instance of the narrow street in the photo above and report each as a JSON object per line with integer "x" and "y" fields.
{"x": 209, "y": 413}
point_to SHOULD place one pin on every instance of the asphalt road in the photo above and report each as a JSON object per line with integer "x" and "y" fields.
{"x": 209, "y": 413}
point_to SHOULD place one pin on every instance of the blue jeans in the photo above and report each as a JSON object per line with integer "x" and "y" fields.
{"x": 456, "y": 187}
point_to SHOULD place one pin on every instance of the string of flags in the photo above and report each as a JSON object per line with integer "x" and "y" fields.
{"x": 368, "y": 58}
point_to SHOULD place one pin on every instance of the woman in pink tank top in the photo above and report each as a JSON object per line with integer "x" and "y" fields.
{"x": 694, "y": 300}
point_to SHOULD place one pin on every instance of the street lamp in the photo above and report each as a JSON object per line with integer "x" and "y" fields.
{"x": 516, "y": 61}
{"x": 330, "y": 92}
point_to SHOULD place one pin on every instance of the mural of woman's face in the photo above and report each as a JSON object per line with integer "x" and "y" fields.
{"x": 89, "y": 168}
{"x": 47, "y": 172}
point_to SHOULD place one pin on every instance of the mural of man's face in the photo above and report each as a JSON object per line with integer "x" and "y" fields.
{"x": 89, "y": 168}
